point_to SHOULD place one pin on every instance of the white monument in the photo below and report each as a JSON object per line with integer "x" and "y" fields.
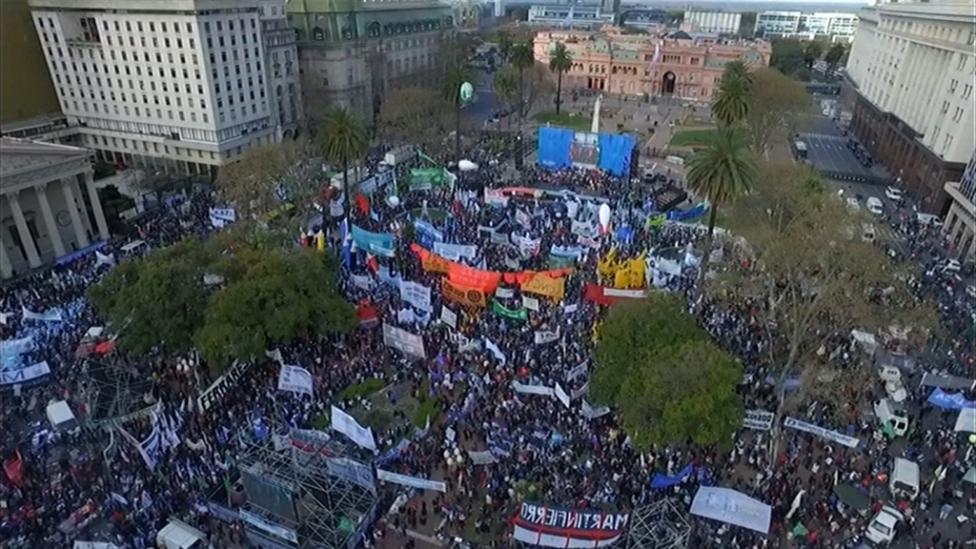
{"x": 595, "y": 126}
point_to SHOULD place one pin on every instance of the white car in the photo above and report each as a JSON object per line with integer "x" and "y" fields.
{"x": 929, "y": 219}
{"x": 951, "y": 266}
{"x": 853, "y": 205}
{"x": 881, "y": 529}
{"x": 875, "y": 205}
{"x": 894, "y": 193}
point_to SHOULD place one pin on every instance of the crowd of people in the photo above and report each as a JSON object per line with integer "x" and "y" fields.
{"x": 95, "y": 483}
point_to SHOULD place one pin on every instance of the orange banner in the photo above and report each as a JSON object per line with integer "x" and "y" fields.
{"x": 465, "y": 295}
{"x": 430, "y": 261}
{"x": 543, "y": 284}
{"x": 486, "y": 281}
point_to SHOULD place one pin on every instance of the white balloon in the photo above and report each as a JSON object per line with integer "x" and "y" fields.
{"x": 604, "y": 215}
{"x": 393, "y": 201}
{"x": 467, "y": 165}
{"x": 572, "y": 208}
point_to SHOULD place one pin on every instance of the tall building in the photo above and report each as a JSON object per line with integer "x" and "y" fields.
{"x": 171, "y": 85}
{"x": 353, "y": 53}
{"x": 960, "y": 223}
{"x": 715, "y": 22}
{"x": 639, "y": 64}
{"x": 836, "y": 27}
{"x": 912, "y": 66}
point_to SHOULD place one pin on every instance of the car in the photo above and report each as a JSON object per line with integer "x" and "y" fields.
{"x": 971, "y": 291}
{"x": 867, "y": 232}
{"x": 894, "y": 193}
{"x": 875, "y": 205}
{"x": 881, "y": 529}
{"x": 928, "y": 219}
{"x": 951, "y": 266}
{"x": 853, "y": 205}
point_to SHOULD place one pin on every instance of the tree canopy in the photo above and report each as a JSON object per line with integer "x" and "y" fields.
{"x": 262, "y": 176}
{"x": 260, "y": 297}
{"x": 668, "y": 381}
{"x": 779, "y": 108}
{"x": 788, "y": 56}
{"x": 415, "y": 115}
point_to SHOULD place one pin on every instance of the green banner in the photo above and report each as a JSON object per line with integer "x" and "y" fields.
{"x": 560, "y": 262}
{"x": 423, "y": 179}
{"x": 517, "y": 314}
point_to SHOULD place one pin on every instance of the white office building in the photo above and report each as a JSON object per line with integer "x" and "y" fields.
{"x": 835, "y": 27}
{"x": 172, "y": 85}
{"x": 714, "y": 22}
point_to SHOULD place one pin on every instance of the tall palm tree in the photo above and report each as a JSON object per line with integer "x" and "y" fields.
{"x": 343, "y": 139}
{"x": 560, "y": 61}
{"x": 722, "y": 171}
{"x": 521, "y": 58}
{"x": 506, "y": 88}
{"x": 731, "y": 103}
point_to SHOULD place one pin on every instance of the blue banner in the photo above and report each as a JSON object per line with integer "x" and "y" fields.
{"x": 946, "y": 401}
{"x": 687, "y": 215}
{"x": 374, "y": 243}
{"x": 427, "y": 234}
{"x": 664, "y": 481}
{"x": 554, "y": 147}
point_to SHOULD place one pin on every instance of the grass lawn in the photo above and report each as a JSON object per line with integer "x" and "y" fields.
{"x": 691, "y": 138}
{"x": 573, "y": 122}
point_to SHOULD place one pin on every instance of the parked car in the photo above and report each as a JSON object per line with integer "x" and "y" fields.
{"x": 905, "y": 479}
{"x": 928, "y": 219}
{"x": 893, "y": 415}
{"x": 881, "y": 529}
{"x": 894, "y": 193}
{"x": 875, "y": 205}
{"x": 951, "y": 266}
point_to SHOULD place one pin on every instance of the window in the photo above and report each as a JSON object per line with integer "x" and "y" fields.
{"x": 952, "y": 85}
{"x": 945, "y": 107}
{"x": 966, "y": 91}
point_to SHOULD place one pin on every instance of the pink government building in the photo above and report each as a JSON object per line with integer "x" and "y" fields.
{"x": 618, "y": 63}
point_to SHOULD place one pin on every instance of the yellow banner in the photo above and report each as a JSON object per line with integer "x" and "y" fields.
{"x": 465, "y": 295}
{"x": 630, "y": 274}
{"x": 607, "y": 266}
{"x": 542, "y": 284}
{"x": 434, "y": 263}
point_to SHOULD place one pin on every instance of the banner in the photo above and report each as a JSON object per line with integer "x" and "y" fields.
{"x": 562, "y": 396}
{"x": 363, "y": 282}
{"x": 495, "y": 197}
{"x": 732, "y": 507}
{"x": 219, "y": 217}
{"x": 760, "y": 420}
{"x": 950, "y": 401}
{"x": 530, "y": 303}
{"x": 415, "y": 294}
{"x": 295, "y": 379}
{"x": 404, "y": 341}
{"x": 415, "y": 482}
{"x": 608, "y": 296}
{"x": 352, "y": 471}
{"x": 577, "y": 393}
{"x": 24, "y": 375}
{"x": 347, "y": 425}
{"x": 573, "y": 252}
{"x": 543, "y": 284}
{"x": 827, "y": 434}
{"x": 490, "y": 345}
{"x": 486, "y": 281}
{"x": 427, "y": 234}
{"x": 664, "y": 481}
{"x": 455, "y": 252}
{"x": 544, "y": 336}
{"x": 102, "y": 259}
{"x": 576, "y": 372}
{"x": 587, "y": 230}
{"x": 500, "y": 238}
{"x": 514, "y": 314}
{"x": 263, "y": 524}
{"x": 504, "y": 293}
{"x": 526, "y": 246}
{"x": 448, "y": 317}
{"x": 541, "y": 390}
{"x": 592, "y": 413}
{"x": 568, "y": 528}
{"x": 51, "y": 315}
{"x": 481, "y": 458}
{"x": 423, "y": 179}
{"x": 467, "y": 296}
{"x": 374, "y": 243}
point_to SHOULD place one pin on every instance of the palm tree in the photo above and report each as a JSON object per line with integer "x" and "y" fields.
{"x": 506, "y": 88}
{"x": 731, "y": 104}
{"x": 521, "y": 58}
{"x": 343, "y": 139}
{"x": 722, "y": 171}
{"x": 504, "y": 44}
{"x": 560, "y": 61}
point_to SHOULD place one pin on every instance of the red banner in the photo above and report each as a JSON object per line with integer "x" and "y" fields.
{"x": 608, "y": 296}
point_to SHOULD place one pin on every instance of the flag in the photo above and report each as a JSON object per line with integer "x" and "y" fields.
{"x": 362, "y": 203}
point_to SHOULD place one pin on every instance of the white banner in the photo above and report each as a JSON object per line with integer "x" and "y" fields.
{"x": 732, "y": 507}
{"x": 592, "y": 413}
{"x": 532, "y": 389}
{"x": 630, "y": 294}
{"x": 490, "y": 345}
{"x": 23, "y": 375}
{"x": 295, "y": 379}
{"x": 347, "y": 425}
{"x": 495, "y": 197}
{"x": 527, "y": 246}
{"x": 523, "y": 219}
{"x": 222, "y": 216}
{"x": 562, "y": 396}
{"x": 966, "y": 421}
{"x": 448, "y": 316}
{"x": 404, "y": 341}
{"x": 579, "y": 370}
{"x": 530, "y": 303}
{"x": 581, "y": 391}
{"x": 51, "y": 315}
{"x": 102, "y": 259}
{"x": 544, "y": 336}
{"x": 362, "y": 281}
{"x": 415, "y": 482}
{"x": 274, "y": 529}
{"x": 415, "y": 294}
{"x": 455, "y": 252}
{"x": 761, "y": 420}
{"x": 586, "y": 230}
{"x": 570, "y": 309}
{"x": 352, "y": 471}
{"x": 504, "y": 293}
{"x": 482, "y": 458}
{"x": 827, "y": 434}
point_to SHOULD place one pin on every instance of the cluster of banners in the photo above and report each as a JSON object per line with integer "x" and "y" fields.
{"x": 295, "y": 379}
{"x": 550, "y": 526}
{"x": 404, "y": 341}
{"x": 220, "y": 217}
{"x": 347, "y": 425}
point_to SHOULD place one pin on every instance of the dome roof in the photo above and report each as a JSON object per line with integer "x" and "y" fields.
{"x": 681, "y": 35}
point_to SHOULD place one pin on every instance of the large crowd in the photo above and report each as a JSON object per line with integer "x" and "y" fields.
{"x": 93, "y": 484}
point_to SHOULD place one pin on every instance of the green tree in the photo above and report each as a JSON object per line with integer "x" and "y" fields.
{"x": 668, "y": 382}
{"x": 560, "y": 61}
{"x": 504, "y": 44}
{"x": 810, "y": 274}
{"x": 343, "y": 140}
{"x": 505, "y": 84}
{"x": 812, "y": 52}
{"x": 415, "y": 115}
{"x": 251, "y": 183}
{"x": 834, "y": 55}
{"x": 279, "y": 295}
{"x": 779, "y": 108}
{"x": 521, "y": 59}
{"x": 721, "y": 172}
{"x": 787, "y": 56}
{"x": 731, "y": 103}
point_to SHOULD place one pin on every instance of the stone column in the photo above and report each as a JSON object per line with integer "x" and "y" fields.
{"x": 53, "y": 233}
{"x": 26, "y": 239}
{"x": 6, "y": 269}
{"x": 69, "y": 199}
{"x": 96, "y": 206}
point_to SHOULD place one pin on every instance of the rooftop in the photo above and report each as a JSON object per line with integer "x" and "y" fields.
{"x": 23, "y": 155}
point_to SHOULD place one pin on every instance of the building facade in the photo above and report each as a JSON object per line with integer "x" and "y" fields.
{"x": 353, "y": 52}
{"x": 170, "y": 85}
{"x": 912, "y": 69}
{"x": 638, "y": 64}
{"x": 960, "y": 223}
{"x": 835, "y": 27}
{"x": 715, "y": 22}
{"x": 49, "y": 207}
{"x": 570, "y": 16}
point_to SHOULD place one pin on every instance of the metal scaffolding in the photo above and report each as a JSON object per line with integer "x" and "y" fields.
{"x": 328, "y": 510}
{"x": 660, "y": 525}
{"x": 117, "y": 395}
